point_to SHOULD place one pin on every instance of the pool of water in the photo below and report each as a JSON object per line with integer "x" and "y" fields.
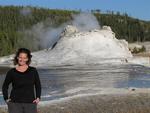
{"x": 64, "y": 81}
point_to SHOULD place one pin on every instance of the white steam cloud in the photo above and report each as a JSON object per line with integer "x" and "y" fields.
{"x": 25, "y": 11}
{"x": 85, "y": 22}
{"x": 47, "y": 36}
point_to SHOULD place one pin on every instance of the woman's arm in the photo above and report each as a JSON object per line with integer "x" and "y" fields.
{"x": 5, "y": 86}
{"x": 37, "y": 85}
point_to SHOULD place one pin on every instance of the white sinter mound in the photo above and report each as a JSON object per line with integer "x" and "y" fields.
{"x": 86, "y": 47}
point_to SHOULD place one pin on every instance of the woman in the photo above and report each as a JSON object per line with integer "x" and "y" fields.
{"x": 24, "y": 79}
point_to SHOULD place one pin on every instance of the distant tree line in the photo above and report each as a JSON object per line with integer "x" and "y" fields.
{"x": 14, "y": 20}
{"x": 126, "y": 27}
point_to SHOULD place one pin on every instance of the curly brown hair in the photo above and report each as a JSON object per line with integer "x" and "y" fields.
{"x": 22, "y": 50}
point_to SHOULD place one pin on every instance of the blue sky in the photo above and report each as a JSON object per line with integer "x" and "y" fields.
{"x": 135, "y": 8}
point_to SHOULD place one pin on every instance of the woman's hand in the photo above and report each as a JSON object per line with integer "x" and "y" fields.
{"x": 8, "y": 100}
{"x": 37, "y": 100}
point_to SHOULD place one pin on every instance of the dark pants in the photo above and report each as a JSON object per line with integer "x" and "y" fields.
{"x": 22, "y": 107}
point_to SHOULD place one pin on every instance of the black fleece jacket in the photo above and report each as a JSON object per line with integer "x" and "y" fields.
{"x": 23, "y": 85}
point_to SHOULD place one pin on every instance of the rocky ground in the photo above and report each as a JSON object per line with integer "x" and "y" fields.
{"x": 145, "y": 44}
{"x": 124, "y": 103}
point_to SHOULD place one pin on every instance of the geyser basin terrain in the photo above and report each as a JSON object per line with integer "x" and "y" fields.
{"x": 81, "y": 47}
{"x": 86, "y": 47}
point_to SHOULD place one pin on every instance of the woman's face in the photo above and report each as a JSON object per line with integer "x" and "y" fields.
{"x": 22, "y": 59}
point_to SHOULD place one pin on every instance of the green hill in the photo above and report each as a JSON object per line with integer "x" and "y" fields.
{"x": 14, "y": 20}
